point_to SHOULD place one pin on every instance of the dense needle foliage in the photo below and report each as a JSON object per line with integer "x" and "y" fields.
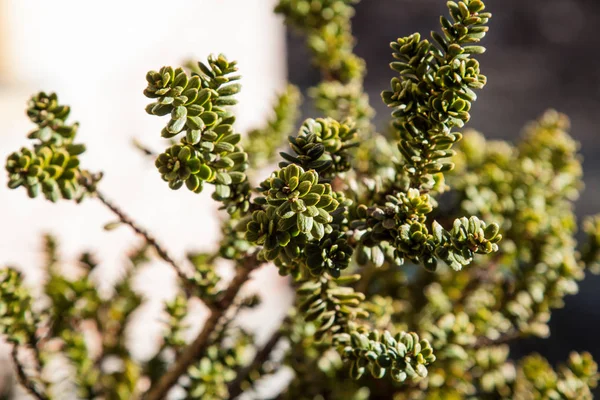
{"x": 416, "y": 255}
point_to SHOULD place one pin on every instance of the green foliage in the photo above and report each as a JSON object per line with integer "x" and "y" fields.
{"x": 591, "y": 249}
{"x": 302, "y": 203}
{"x": 176, "y": 310}
{"x": 469, "y": 314}
{"x": 537, "y": 380}
{"x": 435, "y": 89}
{"x": 512, "y": 184}
{"x": 331, "y": 254}
{"x": 402, "y": 222}
{"x": 74, "y": 310}
{"x": 52, "y": 165}
{"x": 344, "y": 101}
{"x": 332, "y": 46}
{"x": 336, "y": 310}
{"x": 17, "y": 320}
{"x": 350, "y": 215}
{"x": 296, "y": 208}
{"x": 209, "y": 150}
{"x": 326, "y": 24}
{"x": 205, "y": 279}
{"x": 322, "y": 145}
{"x": 195, "y": 101}
{"x": 314, "y": 14}
{"x": 262, "y": 144}
{"x": 209, "y": 378}
{"x": 50, "y": 117}
{"x": 404, "y": 356}
{"x": 331, "y": 304}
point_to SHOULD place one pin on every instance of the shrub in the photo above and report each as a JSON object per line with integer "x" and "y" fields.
{"x": 415, "y": 255}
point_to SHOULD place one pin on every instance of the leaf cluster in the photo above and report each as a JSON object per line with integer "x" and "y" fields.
{"x": 52, "y": 165}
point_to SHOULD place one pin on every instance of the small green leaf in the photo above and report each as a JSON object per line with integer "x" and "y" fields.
{"x": 209, "y": 118}
{"x": 223, "y": 191}
{"x": 193, "y": 136}
{"x": 305, "y": 223}
{"x": 112, "y": 225}
{"x": 193, "y": 183}
{"x": 205, "y": 173}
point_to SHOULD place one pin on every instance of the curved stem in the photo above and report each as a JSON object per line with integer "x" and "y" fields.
{"x": 235, "y": 387}
{"x": 160, "y": 250}
{"x": 504, "y": 338}
{"x": 23, "y": 378}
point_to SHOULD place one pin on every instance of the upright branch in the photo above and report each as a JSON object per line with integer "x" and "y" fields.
{"x": 195, "y": 350}
{"x": 209, "y": 151}
{"x": 434, "y": 90}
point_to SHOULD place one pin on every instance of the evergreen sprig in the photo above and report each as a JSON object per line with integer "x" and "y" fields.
{"x": 262, "y": 144}
{"x": 403, "y": 356}
{"x": 335, "y": 308}
{"x": 52, "y": 165}
{"x": 344, "y": 101}
{"x": 205, "y": 279}
{"x": 435, "y": 88}
{"x": 211, "y": 376}
{"x": 18, "y": 322}
{"x": 314, "y": 14}
{"x": 297, "y": 208}
{"x": 326, "y": 24}
{"x": 209, "y": 151}
{"x": 538, "y": 380}
{"x": 322, "y": 145}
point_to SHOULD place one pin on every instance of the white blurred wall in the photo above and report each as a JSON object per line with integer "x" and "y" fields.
{"x": 95, "y": 55}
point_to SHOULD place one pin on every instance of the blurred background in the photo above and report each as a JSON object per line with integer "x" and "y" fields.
{"x": 541, "y": 54}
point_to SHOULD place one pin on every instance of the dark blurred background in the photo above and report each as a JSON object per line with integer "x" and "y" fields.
{"x": 541, "y": 54}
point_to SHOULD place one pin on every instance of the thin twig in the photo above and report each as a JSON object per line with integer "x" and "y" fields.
{"x": 235, "y": 387}
{"x": 197, "y": 348}
{"x": 38, "y": 357}
{"x": 23, "y": 378}
{"x": 224, "y": 326}
{"x": 504, "y": 338}
{"x": 481, "y": 276}
{"x": 144, "y": 149}
{"x": 160, "y": 250}
{"x": 366, "y": 277}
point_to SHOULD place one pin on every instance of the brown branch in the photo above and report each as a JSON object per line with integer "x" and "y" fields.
{"x": 38, "y": 356}
{"x": 481, "y": 276}
{"x": 197, "y": 348}
{"x": 235, "y": 387}
{"x": 504, "y": 338}
{"x": 144, "y": 149}
{"x": 160, "y": 250}
{"x": 23, "y": 378}
{"x": 366, "y": 277}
